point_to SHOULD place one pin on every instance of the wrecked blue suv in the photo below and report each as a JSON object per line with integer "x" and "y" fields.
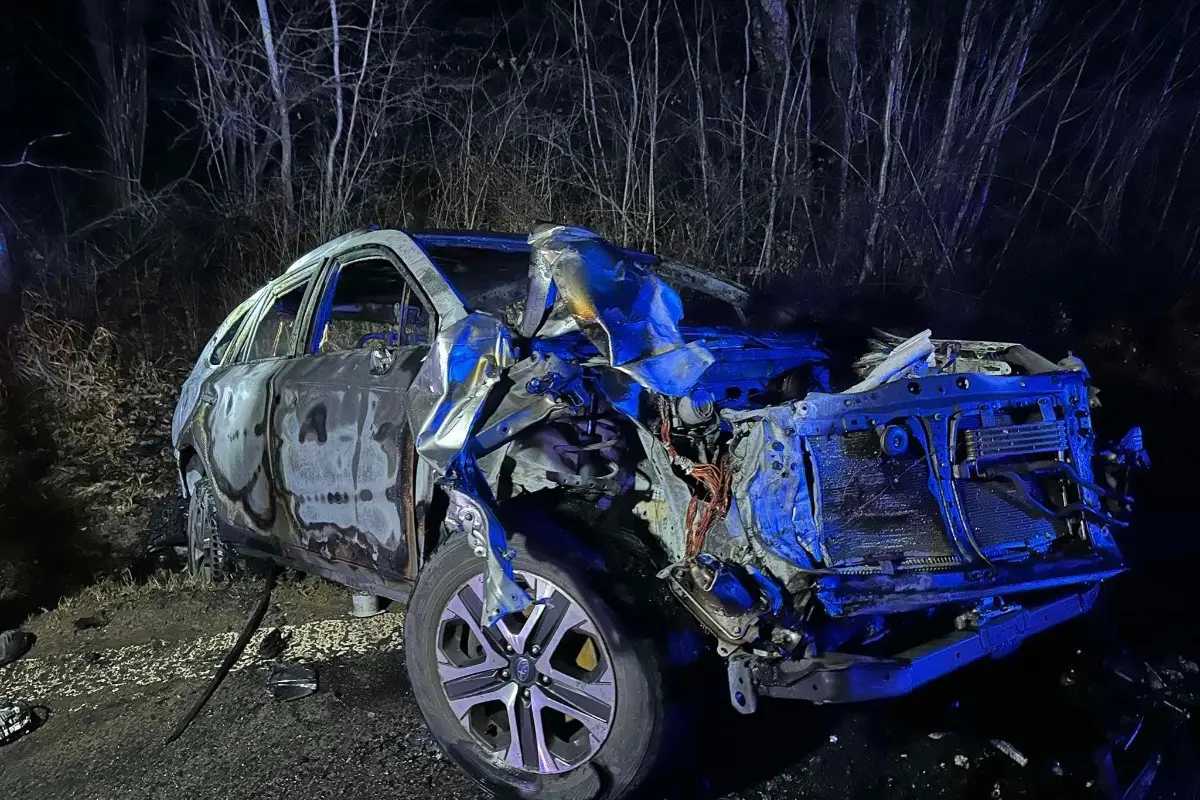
{"x": 524, "y": 440}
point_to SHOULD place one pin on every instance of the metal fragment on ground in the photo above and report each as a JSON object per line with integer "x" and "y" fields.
{"x": 1010, "y": 751}
{"x": 292, "y": 681}
{"x": 16, "y": 719}
{"x": 364, "y": 604}
{"x": 14, "y": 644}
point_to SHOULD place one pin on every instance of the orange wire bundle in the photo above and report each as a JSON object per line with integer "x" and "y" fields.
{"x": 714, "y": 478}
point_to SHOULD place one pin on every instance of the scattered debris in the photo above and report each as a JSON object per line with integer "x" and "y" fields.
{"x": 90, "y": 623}
{"x": 148, "y": 445}
{"x": 14, "y": 644}
{"x": 1190, "y": 667}
{"x": 1010, "y": 751}
{"x": 962, "y": 761}
{"x": 1154, "y": 680}
{"x": 365, "y": 604}
{"x": 18, "y": 719}
{"x": 273, "y": 644}
{"x": 1067, "y": 678}
{"x": 294, "y": 681}
{"x": 936, "y": 735}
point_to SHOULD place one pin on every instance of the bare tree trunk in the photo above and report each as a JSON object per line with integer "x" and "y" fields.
{"x": 285, "y": 124}
{"x": 773, "y": 34}
{"x": 120, "y": 54}
{"x": 890, "y": 124}
{"x": 330, "y": 205}
{"x": 843, "y": 73}
{"x": 966, "y": 44}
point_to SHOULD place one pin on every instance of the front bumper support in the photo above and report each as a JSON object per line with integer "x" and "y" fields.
{"x": 847, "y": 678}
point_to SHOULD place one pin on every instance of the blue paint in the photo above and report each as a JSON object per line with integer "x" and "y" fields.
{"x": 769, "y": 590}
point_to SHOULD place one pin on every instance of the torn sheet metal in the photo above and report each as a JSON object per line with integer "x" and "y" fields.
{"x": 773, "y": 500}
{"x": 911, "y": 358}
{"x": 952, "y": 357}
{"x": 470, "y": 514}
{"x": 454, "y": 381}
{"x": 919, "y": 476}
{"x": 578, "y": 281}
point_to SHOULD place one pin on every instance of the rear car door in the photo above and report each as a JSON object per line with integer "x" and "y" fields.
{"x": 234, "y": 413}
{"x": 341, "y": 443}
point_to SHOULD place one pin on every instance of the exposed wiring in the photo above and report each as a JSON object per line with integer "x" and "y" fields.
{"x": 716, "y": 479}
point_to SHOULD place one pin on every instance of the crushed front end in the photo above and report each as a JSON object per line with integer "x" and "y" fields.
{"x": 838, "y": 543}
{"x": 950, "y": 505}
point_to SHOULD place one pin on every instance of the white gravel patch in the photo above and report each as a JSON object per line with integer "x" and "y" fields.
{"x": 146, "y": 665}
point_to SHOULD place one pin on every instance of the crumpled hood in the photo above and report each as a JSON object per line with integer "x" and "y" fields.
{"x": 580, "y": 282}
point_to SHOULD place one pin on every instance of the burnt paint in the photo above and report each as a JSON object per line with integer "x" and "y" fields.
{"x": 340, "y": 457}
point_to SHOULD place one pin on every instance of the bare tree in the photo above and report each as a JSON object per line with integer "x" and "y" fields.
{"x": 283, "y": 109}
{"x": 119, "y": 47}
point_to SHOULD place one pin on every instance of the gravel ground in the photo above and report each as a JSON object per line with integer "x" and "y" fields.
{"x": 362, "y": 736}
{"x": 114, "y": 692}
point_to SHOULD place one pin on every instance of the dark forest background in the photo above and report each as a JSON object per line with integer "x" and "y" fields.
{"x": 990, "y": 168}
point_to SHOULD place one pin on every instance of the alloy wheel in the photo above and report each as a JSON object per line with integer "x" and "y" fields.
{"x": 535, "y": 688}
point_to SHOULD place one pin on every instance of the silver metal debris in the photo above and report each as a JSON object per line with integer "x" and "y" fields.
{"x": 16, "y": 719}
{"x": 364, "y": 604}
{"x": 1010, "y": 751}
{"x": 14, "y": 644}
{"x": 292, "y": 681}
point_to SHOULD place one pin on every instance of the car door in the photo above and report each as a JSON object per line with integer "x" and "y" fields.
{"x": 341, "y": 444}
{"x": 234, "y": 411}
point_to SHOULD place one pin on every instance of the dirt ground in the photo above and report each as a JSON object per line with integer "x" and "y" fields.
{"x": 113, "y": 692}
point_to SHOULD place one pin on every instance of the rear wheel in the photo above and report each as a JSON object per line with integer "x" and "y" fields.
{"x": 562, "y": 700}
{"x": 207, "y": 557}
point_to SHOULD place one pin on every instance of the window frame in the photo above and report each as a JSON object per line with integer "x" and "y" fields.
{"x": 274, "y": 290}
{"x": 327, "y": 279}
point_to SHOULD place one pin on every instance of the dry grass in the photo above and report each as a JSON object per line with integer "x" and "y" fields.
{"x": 95, "y": 397}
{"x": 120, "y": 590}
{"x": 172, "y": 606}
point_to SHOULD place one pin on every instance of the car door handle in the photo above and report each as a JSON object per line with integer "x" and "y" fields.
{"x": 381, "y": 362}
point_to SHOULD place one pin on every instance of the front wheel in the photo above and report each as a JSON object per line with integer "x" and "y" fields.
{"x": 562, "y": 700}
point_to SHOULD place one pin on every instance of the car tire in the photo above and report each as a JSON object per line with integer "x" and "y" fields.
{"x": 620, "y": 747}
{"x": 207, "y": 558}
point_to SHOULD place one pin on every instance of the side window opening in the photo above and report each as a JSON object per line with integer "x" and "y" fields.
{"x": 369, "y": 303}
{"x": 273, "y": 338}
{"x": 221, "y": 348}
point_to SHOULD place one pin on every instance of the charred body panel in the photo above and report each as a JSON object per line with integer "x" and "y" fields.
{"x": 341, "y": 439}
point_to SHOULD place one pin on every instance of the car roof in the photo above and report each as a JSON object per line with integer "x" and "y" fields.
{"x": 499, "y": 240}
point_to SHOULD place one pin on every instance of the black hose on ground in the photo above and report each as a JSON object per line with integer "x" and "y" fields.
{"x": 231, "y": 657}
